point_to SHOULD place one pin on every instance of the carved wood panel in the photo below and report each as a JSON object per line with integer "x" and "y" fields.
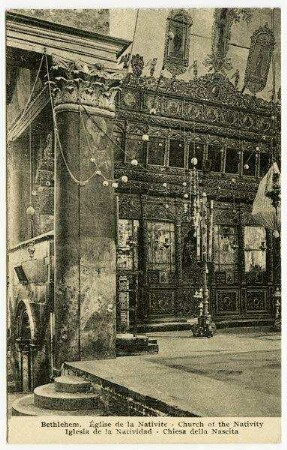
{"x": 227, "y": 302}
{"x": 174, "y": 296}
{"x": 185, "y": 303}
{"x": 256, "y": 300}
{"x": 161, "y": 302}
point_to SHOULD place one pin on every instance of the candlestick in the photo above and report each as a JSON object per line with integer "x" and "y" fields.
{"x": 210, "y": 234}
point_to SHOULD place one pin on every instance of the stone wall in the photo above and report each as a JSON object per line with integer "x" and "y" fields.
{"x": 35, "y": 295}
{"x": 120, "y": 401}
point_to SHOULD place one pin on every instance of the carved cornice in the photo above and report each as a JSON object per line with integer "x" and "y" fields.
{"x": 189, "y": 135}
{"x": 149, "y": 207}
{"x": 29, "y": 33}
{"x": 215, "y": 89}
{"x": 190, "y": 126}
{"x": 216, "y": 186}
{"x": 208, "y": 105}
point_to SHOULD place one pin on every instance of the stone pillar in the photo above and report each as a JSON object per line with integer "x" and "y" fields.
{"x": 85, "y": 226}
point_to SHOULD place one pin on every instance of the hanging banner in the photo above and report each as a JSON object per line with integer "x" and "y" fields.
{"x": 259, "y": 59}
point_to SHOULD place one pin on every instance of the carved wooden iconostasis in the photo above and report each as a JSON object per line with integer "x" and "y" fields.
{"x": 161, "y": 125}
{"x": 232, "y": 136}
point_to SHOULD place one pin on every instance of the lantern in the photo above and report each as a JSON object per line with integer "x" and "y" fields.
{"x": 30, "y": 211}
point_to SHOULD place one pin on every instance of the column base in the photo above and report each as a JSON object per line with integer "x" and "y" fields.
{"x": 204, "y": 327}
{"x": 135, "y": 344}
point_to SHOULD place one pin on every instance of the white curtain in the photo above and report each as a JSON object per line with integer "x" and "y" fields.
{"x": 263, "y": 210}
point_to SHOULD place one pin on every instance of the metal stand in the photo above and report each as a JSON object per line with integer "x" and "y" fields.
{"x": 275, "y": 196}
{"x": 204, "y": 327}
{"x": 277, "y": 302}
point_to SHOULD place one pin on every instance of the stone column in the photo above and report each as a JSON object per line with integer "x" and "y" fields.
{"x": 85, "y": 224}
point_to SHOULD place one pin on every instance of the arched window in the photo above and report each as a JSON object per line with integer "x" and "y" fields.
{"x": 177, "y": 41}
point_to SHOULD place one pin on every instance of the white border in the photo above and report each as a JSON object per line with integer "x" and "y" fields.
{"x": 67, "y": 4}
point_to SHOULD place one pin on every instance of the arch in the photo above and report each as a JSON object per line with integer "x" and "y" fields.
{"x": 24, "y": 308}
{"x": 198, "y": 139}
{"x": 212, "y": 140}
{"x": 24, "y": 347}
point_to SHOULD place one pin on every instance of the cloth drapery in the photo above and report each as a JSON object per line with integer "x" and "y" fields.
{"x": 263, "y": 210}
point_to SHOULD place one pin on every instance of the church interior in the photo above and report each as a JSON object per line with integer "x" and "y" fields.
{"x": 132, "y": 174}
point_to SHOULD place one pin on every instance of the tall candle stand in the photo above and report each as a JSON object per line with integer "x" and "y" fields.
{"x": 202, "y": 221}
{"x": 275, "y": 196}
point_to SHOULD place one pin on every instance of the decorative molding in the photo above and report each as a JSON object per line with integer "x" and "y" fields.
{"x": 227, "y": 302}
{"x": 208, "y": 105}
{"x": 137, "y": 63}
{"x": 214, "y": 89}
{"x": 256, "y": 300}
{"x": 161, "y": 302}
{"x": 190, "y": 126}
{"x": 28, "y": 33}
{"x": 156, "y": 131}
{"x": 218, "y": 187}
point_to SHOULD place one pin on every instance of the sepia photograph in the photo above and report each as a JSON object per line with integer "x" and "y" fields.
{"x": 143, "y": 161}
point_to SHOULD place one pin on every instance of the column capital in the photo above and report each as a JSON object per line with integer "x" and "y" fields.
{"x": 76, "y": 83}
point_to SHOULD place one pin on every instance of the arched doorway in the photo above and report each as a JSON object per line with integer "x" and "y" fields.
{"x": 25, "y": 345}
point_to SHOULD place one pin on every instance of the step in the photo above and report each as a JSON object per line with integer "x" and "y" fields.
{"x": 165, "y": 326}
{"x": 152, "y": 341}
{"x": 46, "y": 396}
{"x": 160, "y": 319}
{"x": 152, "y": 348}
{"x": 72, "y": 384}
{"x": 128, "y": 337}
{"x": 129, "y": 344}
{"x": 25, "y": 407}
{"x": 238, "y": 323}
